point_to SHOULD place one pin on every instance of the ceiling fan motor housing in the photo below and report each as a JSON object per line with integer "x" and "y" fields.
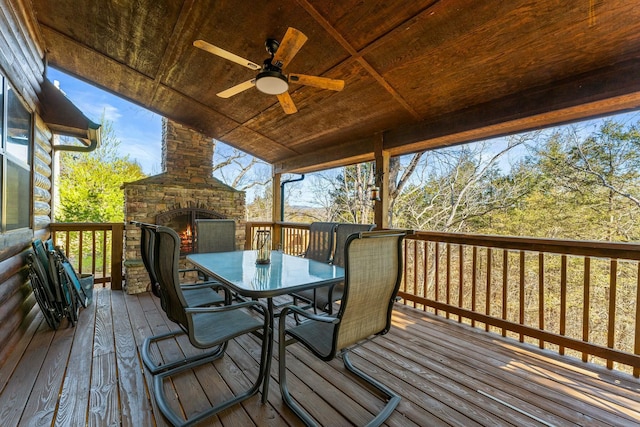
{"x": 271, "y": 80}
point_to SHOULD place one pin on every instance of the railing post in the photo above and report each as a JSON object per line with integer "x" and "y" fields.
{"x": 277, "y": 236}
{"x": 117, "y": 235}
{"x": 248, "y": 239}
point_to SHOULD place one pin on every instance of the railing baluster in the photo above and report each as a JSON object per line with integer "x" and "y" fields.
{"x": 636, "y": 345}
{"x": 563, "y": 299}
{"x": 415, "y": 270}
{"x": 474, "y": 278}
{"x": 93, "y": 250}
{"x": 541, "y": 304}
{"x": 448, "y": 278}
{"x": 436, "y": 273}
{"x": 522, "y": 291}
{"x": 487, "y": 303}
{"x": 104, "y": 256}
{"x": 425, "y": 274}
{"x": 613, "y": 287}
{"x": 460, "y": 279}
{"x": 586, "y": 302}
{"x": 67, "y": 241}
{"x": 505, "y": 276}
{"x": 80, "y": 250}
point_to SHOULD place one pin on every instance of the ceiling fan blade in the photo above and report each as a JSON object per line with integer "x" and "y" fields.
{"x": 287, "y": 103}
{"x": 290, "y": 45}
{"x": 237, "y": 89}
{"x": 201, "y": 44}
{"x": 320, "y": 82}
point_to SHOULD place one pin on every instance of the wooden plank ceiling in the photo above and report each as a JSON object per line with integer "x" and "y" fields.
{"x": 419, "y": 74}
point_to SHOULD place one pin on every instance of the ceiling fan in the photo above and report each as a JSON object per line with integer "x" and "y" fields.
{"x": 270, "y": 78}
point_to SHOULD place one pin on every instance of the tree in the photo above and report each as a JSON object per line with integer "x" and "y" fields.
{"x": 90, "y": 184}
{"x": 238, "y": 169}
{"x": 456, "y": 189}
{"x": 593, "y": 180}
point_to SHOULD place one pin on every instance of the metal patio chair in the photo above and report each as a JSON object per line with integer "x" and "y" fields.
{"x": 321, "y": 238}
{"x": 215, "y": 235}
{"x": 206, "y": 327}
{"x": 196, "y": 295}
{"x": 373, "y": 270}
{"x": 323, "y": 298}
{"x": 320, "y": 248}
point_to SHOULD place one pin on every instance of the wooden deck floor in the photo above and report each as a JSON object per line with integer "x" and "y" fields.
{"x": 447, "y": 374}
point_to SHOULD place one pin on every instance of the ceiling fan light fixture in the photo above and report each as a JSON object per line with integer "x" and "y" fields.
{"x": 272, "y": 83}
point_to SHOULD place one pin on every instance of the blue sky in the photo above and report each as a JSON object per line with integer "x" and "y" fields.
{"x": 138, "y": 129}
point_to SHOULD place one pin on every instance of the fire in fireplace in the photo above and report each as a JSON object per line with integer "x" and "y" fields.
{"x": 183, "y": 221}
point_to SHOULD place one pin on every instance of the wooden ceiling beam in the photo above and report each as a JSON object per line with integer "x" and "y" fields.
{"x": 601, "y": 92}
{"x": 171, "y": 52}
{"x": 358, "y": 57}
{"x": 352, "y": 152}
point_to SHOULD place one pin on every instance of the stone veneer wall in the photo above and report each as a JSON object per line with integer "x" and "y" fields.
{"x": 186, "y": 183}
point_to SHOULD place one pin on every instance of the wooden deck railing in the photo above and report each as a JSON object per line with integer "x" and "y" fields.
{"x": 93, "y": 248}
{"x": 574, "y": 297}
{"x": 291, "y": 237}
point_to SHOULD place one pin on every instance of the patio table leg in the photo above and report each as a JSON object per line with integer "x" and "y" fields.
{"x": 267, "y": 377}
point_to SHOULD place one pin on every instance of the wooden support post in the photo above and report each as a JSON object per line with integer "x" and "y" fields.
{"x": 276, "y": 210}
{"x": 381, "y": 208}
{"x": 117, "y": 241}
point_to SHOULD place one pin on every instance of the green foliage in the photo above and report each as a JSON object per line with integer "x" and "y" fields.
{"x": 90, "y": 184}
{"x": 572, "y": 184}
{"x": 583, "y": 186}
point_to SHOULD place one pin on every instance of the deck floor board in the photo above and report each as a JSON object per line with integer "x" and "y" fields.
{"x": 448, "y": 374}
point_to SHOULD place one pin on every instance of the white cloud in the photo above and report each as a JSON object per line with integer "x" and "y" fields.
{"x": 111, "y": 112}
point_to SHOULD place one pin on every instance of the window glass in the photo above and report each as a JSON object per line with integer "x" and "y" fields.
{"x": 1, "y": 112}
{"x": 15, "y": 159}
{"x": 18, "y": 127}
{"x": 17, "y": 196}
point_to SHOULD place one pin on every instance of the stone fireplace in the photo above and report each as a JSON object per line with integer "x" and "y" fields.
{"x": 183, "y": 192}
{"x": 183, "y": 220}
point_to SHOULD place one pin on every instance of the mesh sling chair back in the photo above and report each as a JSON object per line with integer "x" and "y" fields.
{"x": 206, "y": 327}
{"x": 196, "y": 295}
{"x": 215, "y": 235}
{"x": 320, "y": 248}
{"x": 373, "y": 270}
{"x": 323, "y": 298}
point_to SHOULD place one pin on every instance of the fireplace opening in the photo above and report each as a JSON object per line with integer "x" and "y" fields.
{"x": 183, "y": 221}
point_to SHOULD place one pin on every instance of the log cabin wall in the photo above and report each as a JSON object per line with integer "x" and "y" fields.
{"x": 22, "y": 64}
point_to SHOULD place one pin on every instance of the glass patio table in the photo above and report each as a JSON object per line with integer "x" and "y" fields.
{"x": 285, "y": 274}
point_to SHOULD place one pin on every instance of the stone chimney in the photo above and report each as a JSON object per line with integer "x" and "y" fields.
{"x": 185, "y": 190}
{"x": 186, "y": 154}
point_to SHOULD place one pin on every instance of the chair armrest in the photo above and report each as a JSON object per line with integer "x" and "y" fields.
{"x": 201, "y": 285}
{"x": 215, "y": 285}
{"x": 218, "y": 309}
{"x": 298, "y": 310}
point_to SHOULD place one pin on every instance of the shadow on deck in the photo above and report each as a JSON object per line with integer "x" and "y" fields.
{"x": 446, "y": 373}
